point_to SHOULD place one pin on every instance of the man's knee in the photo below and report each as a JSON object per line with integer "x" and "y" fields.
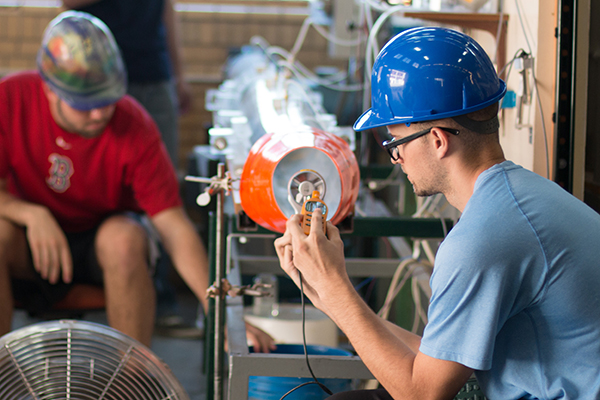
{"x": 121, "y": 243}
{"x": 8, "y": 233}
{"x": 14, "y": 251}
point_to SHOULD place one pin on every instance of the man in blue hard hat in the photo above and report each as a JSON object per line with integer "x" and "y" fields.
{"x": 515, "y": 283}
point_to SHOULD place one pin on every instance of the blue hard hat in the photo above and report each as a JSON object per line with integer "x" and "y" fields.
{"x": 80, "y": 61}
{"x": 429, "y": 73}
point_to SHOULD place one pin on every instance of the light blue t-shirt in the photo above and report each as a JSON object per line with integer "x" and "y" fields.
{"x": 516, "y": 290}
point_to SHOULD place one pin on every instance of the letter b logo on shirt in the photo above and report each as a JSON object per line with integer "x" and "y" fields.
{"x": 60, "y": 172}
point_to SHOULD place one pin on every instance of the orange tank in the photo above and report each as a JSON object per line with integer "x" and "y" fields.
{"x": 283, "y": 169}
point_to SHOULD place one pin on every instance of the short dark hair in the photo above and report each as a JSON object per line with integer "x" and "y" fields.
{"x": 484, "y": 114}
{"x": 471, "y": 138}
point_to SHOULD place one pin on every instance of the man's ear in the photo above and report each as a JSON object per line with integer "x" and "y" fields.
{"x": 48, "y": 92}
{"x": 441, "y": 141}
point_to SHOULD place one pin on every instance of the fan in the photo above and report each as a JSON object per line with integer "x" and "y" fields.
{"x": 77, "y": 360}
{"x": 301, "y": 186}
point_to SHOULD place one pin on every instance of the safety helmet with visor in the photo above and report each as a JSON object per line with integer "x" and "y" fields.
{"x": 81, "y": 62}
{"x": 431, "y": 73}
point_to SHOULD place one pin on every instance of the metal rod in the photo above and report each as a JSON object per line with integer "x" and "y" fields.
{"x": 220, "y": 299}
{"x": 199, "y": 179}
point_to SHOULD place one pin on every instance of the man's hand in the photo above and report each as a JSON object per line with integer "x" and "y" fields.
{"x": 262, "y": 342}
{"x": 49, "y": 247}
{"x": 319, "y": 258}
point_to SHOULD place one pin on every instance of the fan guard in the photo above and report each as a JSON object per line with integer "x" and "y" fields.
{"x": 301, "y": 186}
{"x": 78, "y": 360}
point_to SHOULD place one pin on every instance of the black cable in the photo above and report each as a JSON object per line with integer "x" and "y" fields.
{"x": 315, "y": 381}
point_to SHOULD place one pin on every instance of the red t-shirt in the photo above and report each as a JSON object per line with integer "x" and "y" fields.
{"x": 81, "y": 180}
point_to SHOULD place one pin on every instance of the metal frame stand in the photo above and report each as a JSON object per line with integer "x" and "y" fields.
{"x": 215, "y": 348}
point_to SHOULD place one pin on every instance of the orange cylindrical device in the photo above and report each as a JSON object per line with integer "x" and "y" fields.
{"x": 283, "y": 169}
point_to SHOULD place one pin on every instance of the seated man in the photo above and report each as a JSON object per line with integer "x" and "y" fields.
{"x": 79, "y": 161}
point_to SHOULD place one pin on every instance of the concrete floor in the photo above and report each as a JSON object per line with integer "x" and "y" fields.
{"x": 183, "y": 356}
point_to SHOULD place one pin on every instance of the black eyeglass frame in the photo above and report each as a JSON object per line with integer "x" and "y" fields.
{"x": 390, "y": 145}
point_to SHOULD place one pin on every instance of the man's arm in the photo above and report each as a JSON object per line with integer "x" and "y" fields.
{"x": 189, "y": 258}
{"x": 410, "y": 339}
{"x": 47, "y": 241}
{"x": 391, "y": 354}
{"x": 185, "y": 247}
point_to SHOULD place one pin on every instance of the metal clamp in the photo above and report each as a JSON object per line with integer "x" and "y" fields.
{"x": 215, "y": 185}
{"x": 226, "y": 288}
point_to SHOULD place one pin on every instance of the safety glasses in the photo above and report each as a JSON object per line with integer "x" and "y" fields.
{"x": 392, "y": 145}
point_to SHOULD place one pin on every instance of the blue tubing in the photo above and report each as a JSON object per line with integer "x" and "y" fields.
{"x": 273, "y": 387}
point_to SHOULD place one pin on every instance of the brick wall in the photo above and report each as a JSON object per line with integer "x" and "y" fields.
{"x": 207, "y": 38}
{"x": 21, "y": 30}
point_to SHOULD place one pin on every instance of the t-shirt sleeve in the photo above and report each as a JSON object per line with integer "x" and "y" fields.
{"x": 474, "y": 292}
{"x": 150, "y": 173}
{"x": 4, "y": 103}
{"x": 155, "y": 182}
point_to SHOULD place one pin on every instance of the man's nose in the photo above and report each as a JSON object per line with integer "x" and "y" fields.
{"x": 100, "y": 113}
{"x": 399, "y": 160}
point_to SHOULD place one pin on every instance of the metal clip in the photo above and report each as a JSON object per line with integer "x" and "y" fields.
{"x": 251, "y": 290}
{"x": 215, "y": 185}
{"x": 219, "y": 291}
{"x": 227, "y": 288}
